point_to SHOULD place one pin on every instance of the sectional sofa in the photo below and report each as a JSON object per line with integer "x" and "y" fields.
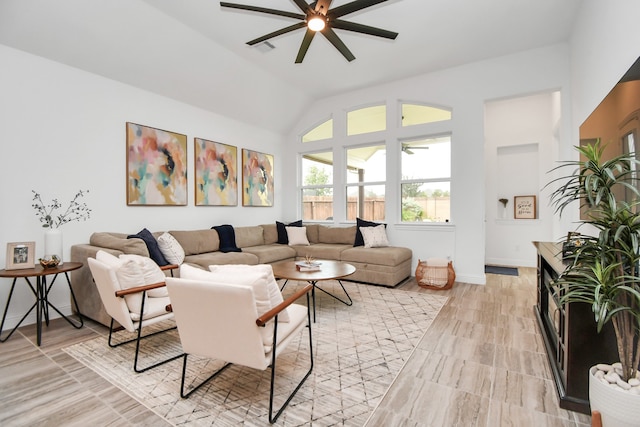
{"x": 386, "y": 266}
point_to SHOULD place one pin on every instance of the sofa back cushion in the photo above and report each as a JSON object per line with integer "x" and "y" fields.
{"x": 312, "y": 232}
{"x": 339, "y": 235}
{"x": 119, "y": 242}
{"x": 249, "y": 236}
{"x": 196, "y": 242}
{"x": 269, "y": 233}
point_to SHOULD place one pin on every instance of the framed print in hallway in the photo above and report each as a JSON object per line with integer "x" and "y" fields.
{"x": 216, "y": 171}
{"x": 156, "y": 167}
{"x": 524, "y": 207}
{"x": 257, "y": 178}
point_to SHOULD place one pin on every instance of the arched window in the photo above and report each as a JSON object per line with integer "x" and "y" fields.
{"x": 323, "y": 131}
{"x": 418, "y": 114}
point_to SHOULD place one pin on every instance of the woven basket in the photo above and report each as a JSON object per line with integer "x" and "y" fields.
{"x": 435, "y": 273}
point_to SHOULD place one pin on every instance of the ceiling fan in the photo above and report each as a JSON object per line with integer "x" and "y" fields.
{"x": 319, "y": 17}
{"x": 406, "y": 148}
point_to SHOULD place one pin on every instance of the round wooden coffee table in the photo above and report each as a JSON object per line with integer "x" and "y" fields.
{"x": 329, "y": 270}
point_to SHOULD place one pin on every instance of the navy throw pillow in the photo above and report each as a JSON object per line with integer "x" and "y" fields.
{"x": 227, "y": 238}
{"x": 283, "y": 238}
{"x": 363, "y": 223}
{"x": 152, "y": 246}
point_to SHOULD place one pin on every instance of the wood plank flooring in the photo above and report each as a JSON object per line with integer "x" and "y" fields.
{"x": 481, "y": 363}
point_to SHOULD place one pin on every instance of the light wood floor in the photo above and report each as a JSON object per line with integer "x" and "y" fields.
{"x": 481, "y": 363}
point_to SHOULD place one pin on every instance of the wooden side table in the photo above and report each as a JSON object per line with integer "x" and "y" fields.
{"x": 41, "y": 292}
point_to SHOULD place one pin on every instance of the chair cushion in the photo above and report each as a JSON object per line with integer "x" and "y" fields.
{"x": 227, "y": 238}
{"x": 297, "y": 236}
{"x": 375, "y": 237}
{"x": 171, "y": 248}
{"x": 152, "y": 246}
{"x": 151, "y": 274}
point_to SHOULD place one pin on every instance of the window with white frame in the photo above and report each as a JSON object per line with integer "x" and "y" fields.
{"x": 426, "y": 179}
{"x": 366, "y": 180}
{"x": 317, "y": 186}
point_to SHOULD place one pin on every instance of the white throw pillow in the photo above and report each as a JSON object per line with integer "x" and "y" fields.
{"x": 151, "y": 274}
{"x": 260, "y": 277}
{"x": 375, "y": 237}
{"x": 297, "y": 236}
{"x": 171, "y": 248}
{"x": 106, "y": 258}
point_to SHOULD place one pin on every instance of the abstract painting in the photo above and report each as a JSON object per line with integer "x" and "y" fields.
{"x": 156, "y": 167}
{"x": 257, "y": 178}
{"x": 216, "y": 173}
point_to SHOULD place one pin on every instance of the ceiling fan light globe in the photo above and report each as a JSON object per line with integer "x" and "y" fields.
{"x": 316, "y": 24}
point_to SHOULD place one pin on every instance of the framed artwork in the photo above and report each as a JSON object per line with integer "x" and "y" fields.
{"x": 257, "y": 178}
{"x": 20, "y": 255}
{"x": 156, "y": 167}
{"x": 524, "y": 207}
{"x": 216, "y": 170}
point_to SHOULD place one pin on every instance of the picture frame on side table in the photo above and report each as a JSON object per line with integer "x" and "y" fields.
{"x": 524, "y": 207}
{"x": 20, "y": 255}
{"x": 257, "y": 178}
{"x": 156, "y": 167}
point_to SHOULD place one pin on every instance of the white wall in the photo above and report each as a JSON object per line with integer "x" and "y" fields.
{"x": 465, "y": 89}
{"x": 63, "y": 129}
{"x": 519, "y": 136}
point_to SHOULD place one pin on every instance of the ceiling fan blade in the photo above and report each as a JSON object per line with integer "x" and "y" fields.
{"x": 303, "y": 5}
{"x": 306, "y": 41}
{"x": 322, "y": 6}
{"x": 263, "y": 10}
{"x": 335, "y": 40}
{"x": 364, "y": 29}
{"x": 354, "y": 6}
{"x": 277, "y": 33}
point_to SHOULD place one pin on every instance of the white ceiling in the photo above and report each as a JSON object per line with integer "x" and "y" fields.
{"x": 194, "y": 51}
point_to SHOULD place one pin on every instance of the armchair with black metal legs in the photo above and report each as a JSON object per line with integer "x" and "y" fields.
{"x": 151, "y": 311}
{"x": 220, "y": 321}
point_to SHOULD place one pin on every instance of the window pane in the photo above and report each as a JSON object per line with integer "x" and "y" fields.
{"x": 317, "y": 204}
{"x": 366, "y": 202}
{"x": 322, "y": 131}
{"x": 317, "y": 169}
{"x": 366, "y": 164}
{"x": 429, "y": 201}
{"x": 427, "y": 158}
{"x": 365, "y": 120}
{"x": 414, "y": 114}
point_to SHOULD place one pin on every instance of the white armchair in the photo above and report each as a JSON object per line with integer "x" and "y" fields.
{"x": 131, "y": 307}
{"x": 221, "y": 321}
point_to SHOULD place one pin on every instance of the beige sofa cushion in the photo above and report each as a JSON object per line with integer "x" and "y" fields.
{"x": 312, "y": 233}
{"x": 271, "y": 253}
{"x": 390, "y": 256}
{"x": 269, "y": 233}
{"x": 119, "y": 242}
{"x": 220, "y": 258}
{"x": 339, "y": 235}
{"x": 248, "y": 236}
{"x": 197, "y": 241}
{"x": 321, "y": 251}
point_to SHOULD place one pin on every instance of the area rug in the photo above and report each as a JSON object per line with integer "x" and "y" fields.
{"x": 506, "y": 271}
{"x": 358, "y": 351}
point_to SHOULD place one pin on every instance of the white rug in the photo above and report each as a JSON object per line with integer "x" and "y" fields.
{"x": 358, "y": 351}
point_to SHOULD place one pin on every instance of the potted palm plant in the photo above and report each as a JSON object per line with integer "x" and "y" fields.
{"x": 604, "y": 262}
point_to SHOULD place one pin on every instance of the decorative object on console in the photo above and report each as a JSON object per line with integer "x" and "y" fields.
{"x": 20, "y": 255}
{"x": 76, "y": 211}
{"x": 227, "y": 238}
{"x": 504, "y": 207}
{"x": 524, "y": 207}
{"x": 216, "y": 171}
{"x": 49, "y": 262}
{"x": 156, "y": 167}
{"x": 603, "y": 270}
{"x": 257, "y": 178}
{"x": 435, "y": 273}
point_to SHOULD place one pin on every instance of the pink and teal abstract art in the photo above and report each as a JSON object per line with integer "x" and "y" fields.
{"x": 156, "y": 167}
{"x": 257, "y": 178}
{"x": 216, "y": 173}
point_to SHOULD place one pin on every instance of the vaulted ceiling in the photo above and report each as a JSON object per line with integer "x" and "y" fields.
{"x": 195, "y": 51}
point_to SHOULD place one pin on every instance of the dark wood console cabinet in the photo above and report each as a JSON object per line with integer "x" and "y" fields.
{"x": 569, "y": 332}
